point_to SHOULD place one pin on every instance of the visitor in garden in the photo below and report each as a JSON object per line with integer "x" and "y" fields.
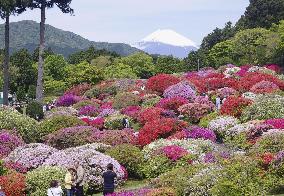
{"x": 70, "y": 178}
{"x": 125, "y": 123}
{"x": 218, "y": 103}
{"x": 1, "y": 192}
{"x": 109, "y": 177}
{"x": 55, "y": 189}
{"x": 80, "y": 174}
{"x": 223, "y": 100}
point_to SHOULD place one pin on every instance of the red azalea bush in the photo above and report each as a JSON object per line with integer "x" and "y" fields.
{"x": 13, "y": 184}
{"x": 172, "y": 103}
{"x": 276, "y": 123}
{"x": 161, "y": 82}
{"x": 178, "y": 135}
{"x": 79, "y": 89}
{"x": 234, "y": 106}
{"x": 131, "y": 111}
{"x": 97, "y": 122}
{"x": 264, "y": 87}
{"x": 160, "y": 128}
{"x": 150, "y": 114}
{"x": 114, "y": 137}
{"x": 194, "y": 111}
{"x": 174, "y": 152}
{"x": 252, "y": 78}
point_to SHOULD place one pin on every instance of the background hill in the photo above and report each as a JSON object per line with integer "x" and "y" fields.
{"x": 25, "y": 34}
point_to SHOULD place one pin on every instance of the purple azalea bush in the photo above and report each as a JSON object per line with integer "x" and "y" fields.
{"x": 88, "y": 110}
{"x": 182, "y": 89}
{"x": 8, "y": 142}
{"x": 67, "y": 100}
{"x": 196, "y": 132}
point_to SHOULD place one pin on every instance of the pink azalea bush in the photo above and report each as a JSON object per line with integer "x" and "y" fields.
{"x": 68, "y": 100}
{"x": 181, "y": 89}
{"x": 196, "y": 132}
{"x": 172, "y": 103}
{"x": 276, "y": 123}
{"x": 264, "y": 87}
{"x": 88, "y": 110}
{"x": 174, "y": 152}
{"x": 131, "y": 111}
{"x": 194, "y": 111}
{"x": 8, "y": 142}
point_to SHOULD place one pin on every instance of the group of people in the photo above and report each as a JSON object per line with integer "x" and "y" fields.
{"x": 74, "y": 182}
{"x": 219, "y": 102}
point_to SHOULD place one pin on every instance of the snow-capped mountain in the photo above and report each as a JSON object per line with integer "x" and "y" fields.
{"x": 166, "y": 42}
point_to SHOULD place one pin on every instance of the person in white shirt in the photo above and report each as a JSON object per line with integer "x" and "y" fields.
{"x": 55, "y": 189}
{"x": 218, "y": 103}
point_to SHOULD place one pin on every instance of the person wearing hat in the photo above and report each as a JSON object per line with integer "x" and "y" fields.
{"x": 70, "y": 181}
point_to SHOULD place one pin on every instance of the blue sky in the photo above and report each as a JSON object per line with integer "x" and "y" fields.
{"x": 131, "y": 20}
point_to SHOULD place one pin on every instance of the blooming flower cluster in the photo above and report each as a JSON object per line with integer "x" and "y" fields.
{"x": 68, "y": 100}
{"x": 182, "y": 89}
{"x": 8, "y": 142}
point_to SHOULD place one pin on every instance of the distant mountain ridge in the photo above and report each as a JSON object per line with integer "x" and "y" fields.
{"x": 166, "y": 42}
{"x": 25, "y": 34}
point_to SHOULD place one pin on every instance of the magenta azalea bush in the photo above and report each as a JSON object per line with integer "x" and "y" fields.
{"x": 68, "y": 100}
{"x": 8, "y": 142}
{"x": 181, "y": 89}
{"x": 264, "y": 87}
{"x": 276, "y": 123}
{"x": 196, "y": 132}
{"x": 131, "y": 111}
{"x": 174, "y": 152}
{"x": 88, "y": 110}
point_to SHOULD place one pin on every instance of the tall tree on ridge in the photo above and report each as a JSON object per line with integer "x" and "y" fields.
{"x": 8, "y": 8}
{"x": 64, "y": 6}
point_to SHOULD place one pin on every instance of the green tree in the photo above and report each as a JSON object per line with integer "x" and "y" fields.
{"x": 141, "y": 63}
{"x": 64, "y": 6}
{"x": 119, "y": 70}
{"x": 102, "y": 61}
{"x": 169, "y": 65}
{"x": 8, "y": 8}
{"x": 279, "y": 53}
{"x": 262, "y": 13}
{"x": 54, "y": 67}
{"x": 47, "y": 53}
{"x": 221, "y": 53}
{"x": 82, "y": 72}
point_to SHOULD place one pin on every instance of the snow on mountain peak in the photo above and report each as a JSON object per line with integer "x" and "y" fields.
{"x": 168, "y": 36}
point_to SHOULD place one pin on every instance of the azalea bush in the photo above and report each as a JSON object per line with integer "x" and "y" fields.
{"x": 264, "y": 87}
{"x": 70, "y": 137}
{"x": 116, "y": 121}
{"x": 60, "y": 111}
{"x": 204, "y": 121}
{"x": 156, "y": 166}
{"x": 67, "y": 100}
{"x": 25, "y": 126}
{"x": 88, "y": 110}
{"x": 79, "y": 89}
{"x": 93, "y": 161}
{"x": 276, "y": 123}
{"x": 8, "y": 142}
{"x": 234, "y": 106}
{"x": 123, "y": 100}
{"x": 13, "y": 183}
{"x": 114, "y": 137}
{"x": 226, "y": 92}
{"x": 161, "y": 82}
{"x": 150, "y": 102}
{"x": 150, "y": 114}
{"x": 93, "y": 102}
{"x": 264, "y": 107}
{"x": 161, "y": 128}
{"x": 38, "y": 180}
{"x": 172, "y": 103}
{"x": 182, "y": 89}
{"x": 272, "y": 142}
{"x": 131, "y": 111}
{"x": 30, "y": 156}
{"x": 55, "y": 123}
{"x": 196, "y": 132}
{"x": 194, "y": 111}
{"x": 221, "y": 124}
{"x": 131, "y": 157}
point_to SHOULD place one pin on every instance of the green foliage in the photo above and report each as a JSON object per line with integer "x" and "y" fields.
{"x": 96, "y": 91}
{"x": 131, "y": 157}
{"x": 25, "y": 126}
{"x": 241, "y": 176}
{"x": 238, "y": 141}
{"x": 118, "y": 71}
{"x": 141, "y": 63}
{"x": 122, "y": 100}
{"x": 272, "y": 143}
{"x": 54, "y": 87}
{"x": 221, "y": 53}
{"x": 54, "y": 66}
{"x": 151, "y": 102}
{"x": 82, "y": 73}
{"x": 3, "y": 169}
{"x": 102, "y": 61}
{"x": 35, "y": 110}
{"x": 83, "y": 103}
{"x": 38, "y": 180}
{"x": 55, "y": 123}
{"x": 114, "y": 122}
{"x": 156, "y": 166}
{"x": 169, "y": 65}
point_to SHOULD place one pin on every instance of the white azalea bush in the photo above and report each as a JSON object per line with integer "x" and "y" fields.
{"x": 221, "y": 124}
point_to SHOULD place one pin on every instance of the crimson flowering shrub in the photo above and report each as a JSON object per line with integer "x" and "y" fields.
{"x": 263, "y": 87}
{"x": 97, "y": 122}
{"x": 276, "y": 123}
{"x": 150, "y": 114}
{"x": 174, "y": 152}
{"x": 172, "y": 103}
{"x": 194, "y": 111}
{"x": 70, "y": 137}
{"x": 161, "y": 82}
{"x": 68, "y": 100}
{"x": 18, "y": 167}
{"x": 251, "y": 78}
{"x": 88, "y": 110}
{"x": 13, "y": 184}
{"x": 160, "y": 128}
{"x": 131, "y": 111}
{"x": 8, "y": 142}
{"x": 234, "y": 106}
{"x": 114, "y": 137}
{"x": 79, "y": 89}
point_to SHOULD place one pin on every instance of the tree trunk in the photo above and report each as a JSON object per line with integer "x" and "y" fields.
{"x": 6, "y": 61}
{"x": 39, "y": 88}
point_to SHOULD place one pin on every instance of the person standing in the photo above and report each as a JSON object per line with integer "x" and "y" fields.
{"x": 218, "y": 103}
{"x": 55, "y": 189}
{"x": 69, "y": 181}
{"x": 1, "y": 192}
{"x": 109, "y": 177}
{"x": 80, "y": 175}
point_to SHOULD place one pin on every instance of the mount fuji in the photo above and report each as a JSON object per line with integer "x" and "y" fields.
{"x": 166, "y": 42}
